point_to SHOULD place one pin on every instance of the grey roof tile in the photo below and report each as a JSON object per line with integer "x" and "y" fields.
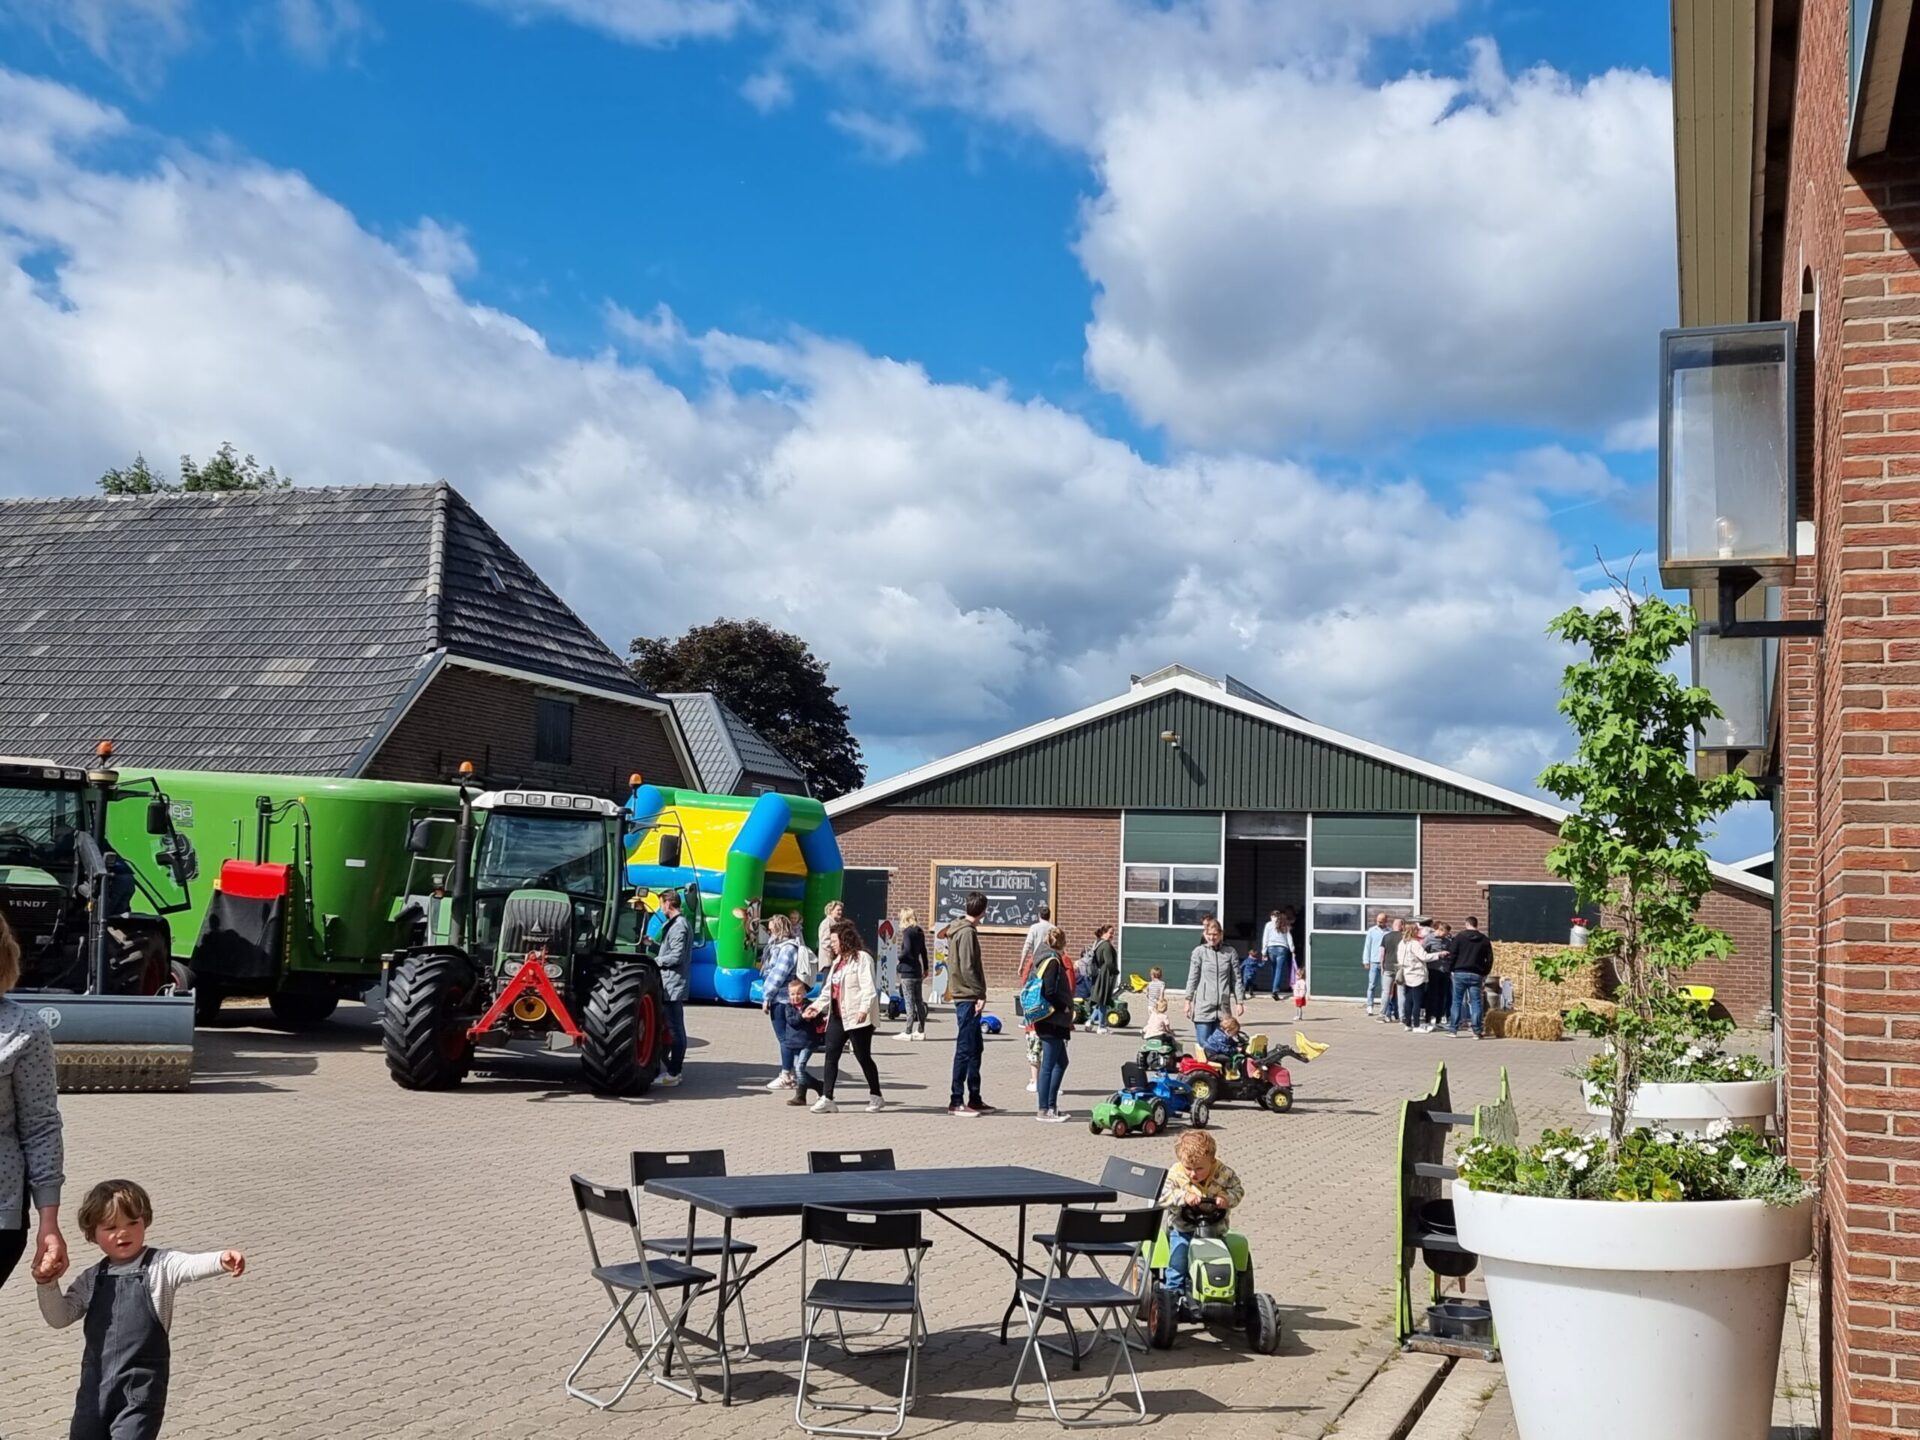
{"x": 728, "y": 753}
{"x": 268, "y": 631}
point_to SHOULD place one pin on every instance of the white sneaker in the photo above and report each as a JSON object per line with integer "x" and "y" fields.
{"x": 1056, "y": 1117}
{"x": 665, "y": 1079}
{"x": 824, "y": 1106}
{"x": 1033, "y": 1087}
{"x": 782, "y": 1081}
{"x": 875, "y": 1105}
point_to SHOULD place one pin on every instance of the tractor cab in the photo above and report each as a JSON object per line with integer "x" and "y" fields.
{"x": 545, "y": 863}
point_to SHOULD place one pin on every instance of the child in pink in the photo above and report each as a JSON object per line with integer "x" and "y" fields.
{"x": 1300, "y": 991}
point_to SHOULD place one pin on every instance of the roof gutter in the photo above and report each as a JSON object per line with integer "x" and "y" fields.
{"x": 431, "y": 666}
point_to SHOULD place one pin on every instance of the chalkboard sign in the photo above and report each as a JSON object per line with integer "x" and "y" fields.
{"x": 1537, "y": 914}
{"x": 1015, "y": 891}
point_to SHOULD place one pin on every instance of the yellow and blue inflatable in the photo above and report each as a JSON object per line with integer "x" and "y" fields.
{"x": 746, "y": 855}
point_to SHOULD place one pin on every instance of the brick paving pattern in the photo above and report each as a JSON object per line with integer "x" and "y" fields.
{"x": 416, "y": 1269}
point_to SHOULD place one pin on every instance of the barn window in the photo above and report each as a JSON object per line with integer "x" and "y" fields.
{"x": 553, "y": 731}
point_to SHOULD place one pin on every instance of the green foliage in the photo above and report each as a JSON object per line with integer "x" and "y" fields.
{"x": 772, "y": 681}
{"x": 1653, "y": 1166}
{"x": 226, "y": 470}
{"x": 1635, "y": 841}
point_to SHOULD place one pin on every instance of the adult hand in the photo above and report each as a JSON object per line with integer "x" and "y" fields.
{"x": 50, "y": 1254}
{"x": 1239, "y": 1008}
{"x": 1189, "y": 1010}
{"x": 233, "y": 1262}
{"x": 860, "y": 1018}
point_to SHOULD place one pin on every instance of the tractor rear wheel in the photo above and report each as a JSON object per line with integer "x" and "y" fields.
{"x": 1163, "y": 1318}
{"x": 1201, "y": 1113}
{"x": 424, "y": 1027}
{"x": 300, "y": 1010}
{"x": 626, "y": 1025}
{"x": 1203, "y": 1086}
{"x": 1159, "y": 1117}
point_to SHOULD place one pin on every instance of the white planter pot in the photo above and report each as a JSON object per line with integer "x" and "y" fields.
{"x": 1689, "y": 1109}
{"x": 1645, "y": 1321}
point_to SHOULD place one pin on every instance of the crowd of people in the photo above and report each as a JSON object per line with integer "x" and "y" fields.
{"x": 1427, "y": 975}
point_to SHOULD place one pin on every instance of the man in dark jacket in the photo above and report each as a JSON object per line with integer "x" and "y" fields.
{"x": 674, "y": 957}
{"x": 1472, "y": 963}
{"x": 967, "y": 988}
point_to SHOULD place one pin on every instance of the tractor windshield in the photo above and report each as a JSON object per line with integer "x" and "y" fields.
{"x": 541, "y": 852}
{"x": 38, "y": 828}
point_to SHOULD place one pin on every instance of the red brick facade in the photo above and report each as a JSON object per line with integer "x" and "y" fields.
{"x": 1850, "y": 736}
{"x": 1459, "y": 855}
{"x": 489, "y": 719}
{"x": 1084, "y": 844}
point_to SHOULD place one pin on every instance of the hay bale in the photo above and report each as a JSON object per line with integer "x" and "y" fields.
{"x": 1606, "y": 1008}
{"x": 1497, "y": 1021}
{"x": 1523, "y": 1025}
{"x": 1513, "y": 960}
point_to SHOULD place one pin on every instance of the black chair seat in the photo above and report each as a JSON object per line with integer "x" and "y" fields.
{"x": 865, "y": 1297}
{"x": 1078, "y": 1292}
{"x": 702, "y": 1245}
{"x": 1092, "y": 1247}
{"x": 667, "y": 1275}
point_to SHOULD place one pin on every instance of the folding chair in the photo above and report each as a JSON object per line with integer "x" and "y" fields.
{"x": 623, "y": 1282}
{"x": 837, "y": 1162}
{"x": 1109, "y": 1302}
{"x": 691, "y": 1165}
{"x": 854, "y": 1231}
{"x": 1126, "y": 1177}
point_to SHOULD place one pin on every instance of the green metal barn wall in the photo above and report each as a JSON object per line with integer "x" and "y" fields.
{"x": 1226, "y": 761}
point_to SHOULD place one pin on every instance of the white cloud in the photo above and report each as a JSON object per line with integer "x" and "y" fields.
{"x": 135, "y": 37}
{"x": 316, "y": 30}
{"x": 642, "y": 22}
{"x": 888, "y": 141}
{"x": 1292, "y": 255}
{"x": 968, "y": 560}
{"x": 767, "y": 90}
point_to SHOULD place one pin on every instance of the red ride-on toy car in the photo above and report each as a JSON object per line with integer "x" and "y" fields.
{"x": 1255, "y": 1074}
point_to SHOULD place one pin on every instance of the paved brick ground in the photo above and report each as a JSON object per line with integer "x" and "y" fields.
{"x": 415, "y": 1268}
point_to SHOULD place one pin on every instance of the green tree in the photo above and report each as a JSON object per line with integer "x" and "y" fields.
{"x": 226, "y": 470}
{"x": 771, "y": 680}
{"x": 1635, "y": 842}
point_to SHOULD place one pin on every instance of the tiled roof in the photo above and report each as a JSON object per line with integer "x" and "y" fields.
{"x": 272, "y": 631}
{"x": 728, "y": 752}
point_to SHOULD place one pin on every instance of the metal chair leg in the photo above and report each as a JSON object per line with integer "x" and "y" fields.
{"x": 1122, "y": 1353}
{"x": 909, "y": 1385}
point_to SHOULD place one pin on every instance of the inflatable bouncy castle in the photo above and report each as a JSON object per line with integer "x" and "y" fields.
{"x": 736, "y": 861}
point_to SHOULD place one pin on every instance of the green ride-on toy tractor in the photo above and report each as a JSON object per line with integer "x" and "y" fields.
{"x": 1219, "y": 1289}
{"x": 535, "y": 945}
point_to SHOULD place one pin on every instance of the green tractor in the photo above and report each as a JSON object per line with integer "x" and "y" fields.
{"x": 531, "y": 940}
{"x": 1218, "y": 1288}
{"x": 103, "y": 978}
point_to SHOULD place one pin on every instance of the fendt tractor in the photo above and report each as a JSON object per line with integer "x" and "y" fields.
{"x": 103, "y": 978}
{"x": 530, "y": 939}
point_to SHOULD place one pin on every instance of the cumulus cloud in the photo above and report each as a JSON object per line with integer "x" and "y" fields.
{"x": 888, "y": 141}
{"x": 968, "y": 559}
{"x": 1291, "y": 255}
{"x": 642, "y": 22}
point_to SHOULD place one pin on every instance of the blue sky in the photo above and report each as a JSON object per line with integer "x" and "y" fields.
{"x": 1320, "y": 299}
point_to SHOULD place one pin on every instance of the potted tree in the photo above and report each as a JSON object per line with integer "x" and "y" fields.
{"x": 1654, "y": 1257}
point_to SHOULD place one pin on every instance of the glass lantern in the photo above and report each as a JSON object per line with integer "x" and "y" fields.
{"x": 1726, "y": 454}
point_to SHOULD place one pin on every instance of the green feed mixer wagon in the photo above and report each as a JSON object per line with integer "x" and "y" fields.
{"x": 309, "y": 885}
{"x": 81, "y": 850}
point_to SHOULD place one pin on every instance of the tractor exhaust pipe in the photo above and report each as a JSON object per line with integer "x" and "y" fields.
{"x": 461, "y": 889}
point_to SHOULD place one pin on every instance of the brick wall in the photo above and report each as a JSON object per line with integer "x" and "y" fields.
{"x": 489, "y": 719}
{"x": 1085, "y": 845}
{"x": 1851, "y": 741}
{"x": 1459, "y": 854}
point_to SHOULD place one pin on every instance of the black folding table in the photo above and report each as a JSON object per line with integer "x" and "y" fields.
{"x": 753, "y": 1197}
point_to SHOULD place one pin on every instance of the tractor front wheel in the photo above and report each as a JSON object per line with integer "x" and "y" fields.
{"x": 424, "y": 1027}
{"x": 1201, "y": 1113}
{"x": 1263, "y": 1325}
{"x": 1120, "y": 1128}
{"x": 1158, "y": 1118}
{"x": 298, "y": 1010}
{"x": 626, "y": 1025}
{"x": 1280, "y": 1099}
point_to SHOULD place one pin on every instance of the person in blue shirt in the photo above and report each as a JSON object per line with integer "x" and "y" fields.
{"x": 1372, "y": 954}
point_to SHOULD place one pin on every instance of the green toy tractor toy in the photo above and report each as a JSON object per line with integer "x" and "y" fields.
{"x": 535, "y": 946}
{"x": 1219, "y": 1289}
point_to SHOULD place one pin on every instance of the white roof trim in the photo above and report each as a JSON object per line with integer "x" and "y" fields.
{"x": 1765, "y": 857}
{"x": 1019, "y": 739}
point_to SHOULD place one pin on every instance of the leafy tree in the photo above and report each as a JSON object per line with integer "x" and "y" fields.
{"x": 226, "y": 470}
{"x": 772, "y": 680}
{"x": 1635, "y": 841}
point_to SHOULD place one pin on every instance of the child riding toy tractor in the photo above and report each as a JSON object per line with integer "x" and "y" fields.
{"x": 1255, "y": 1074}
{"x": 1218, "y": 1288}
{"x": 1144, "y": 1104}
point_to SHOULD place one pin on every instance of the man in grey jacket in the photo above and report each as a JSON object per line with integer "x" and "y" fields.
{"x": 967, "y": 988}
{"x": 673, "y": 957}
{"x": 1213, "y": 981}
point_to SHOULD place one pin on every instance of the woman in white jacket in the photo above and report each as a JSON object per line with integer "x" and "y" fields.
{"x": 849, "y": 1001}
{"x": 1411, "y": 964}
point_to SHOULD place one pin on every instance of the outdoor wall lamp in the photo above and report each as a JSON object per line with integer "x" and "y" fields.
{"x": 1170, "y": 737}
{"x": 1727, "y": 503}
